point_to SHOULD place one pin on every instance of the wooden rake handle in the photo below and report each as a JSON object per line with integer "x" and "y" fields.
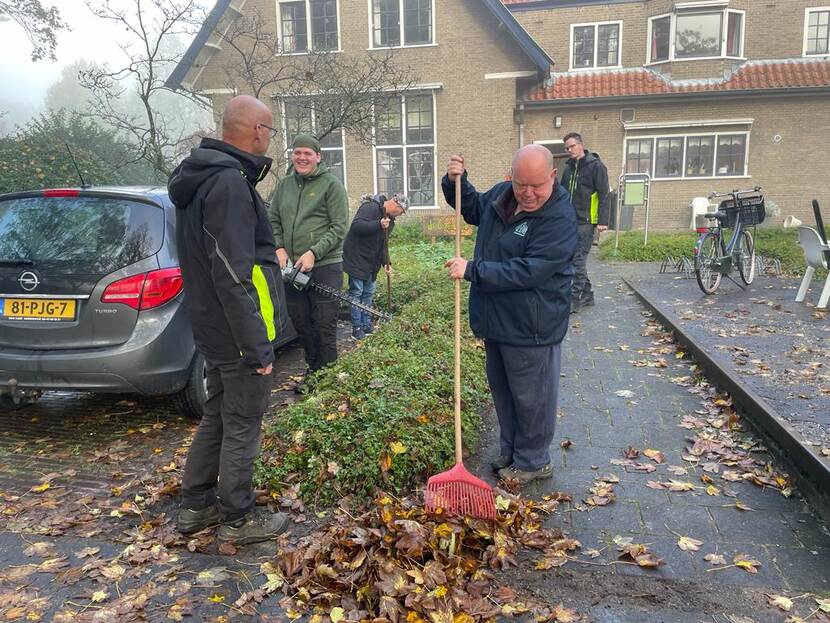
{"x": 457, "y": 345}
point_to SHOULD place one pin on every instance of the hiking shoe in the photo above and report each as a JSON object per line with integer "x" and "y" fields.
{"x": 513, "y": 473}
{"x": 501, "y": 462}
{"x": 256, "y": 526}
{"x": 587, "y": 300}
{"x": 358, "y": 334}
{"x": 369, "y": 329}
{"x": 190, "y": 521}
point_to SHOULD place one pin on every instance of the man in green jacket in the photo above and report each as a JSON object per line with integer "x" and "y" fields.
{"x": 309, "y": 214}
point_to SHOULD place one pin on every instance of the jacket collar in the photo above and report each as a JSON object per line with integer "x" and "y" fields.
{"x": 253, "y": 167}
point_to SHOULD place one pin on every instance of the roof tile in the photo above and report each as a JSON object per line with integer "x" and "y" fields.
{"x": 762, "y": 75}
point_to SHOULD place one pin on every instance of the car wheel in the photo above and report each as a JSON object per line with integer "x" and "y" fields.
{"x": 190, "y": 401}
{"x": 7, "y": 404}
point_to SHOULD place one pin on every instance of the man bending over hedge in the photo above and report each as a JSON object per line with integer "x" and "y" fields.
{"x": 520, "y": 299}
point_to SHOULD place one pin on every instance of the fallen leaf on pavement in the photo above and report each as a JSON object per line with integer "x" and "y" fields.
{"x": 781, "y": 602}
{"x": 715, "y": 559}
{"x": 688, "y": 544}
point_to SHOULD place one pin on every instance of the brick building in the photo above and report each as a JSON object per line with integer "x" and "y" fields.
{"x": 701, "y": 95}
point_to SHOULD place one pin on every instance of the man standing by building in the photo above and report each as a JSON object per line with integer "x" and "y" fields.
{"x": 366, "y": 250}
{"x": 520, "y": 297}
{"x": 234, "y": 296}
{"x": 309, "y": 214}
{"x": 586, "y": 179}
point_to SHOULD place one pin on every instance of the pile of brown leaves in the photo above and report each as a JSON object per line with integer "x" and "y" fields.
{"x": 395, "y": 562}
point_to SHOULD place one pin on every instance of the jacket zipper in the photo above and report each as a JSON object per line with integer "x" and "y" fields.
{"x": 301, "y": 185}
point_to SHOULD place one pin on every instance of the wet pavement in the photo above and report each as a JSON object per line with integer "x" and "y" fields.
{"x": 655, "y": 454}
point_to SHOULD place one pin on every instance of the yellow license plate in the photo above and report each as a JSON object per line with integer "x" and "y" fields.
{"x": 56, "y": 310}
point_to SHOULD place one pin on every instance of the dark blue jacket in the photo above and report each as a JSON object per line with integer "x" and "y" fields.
{"x": 522, "y": 268}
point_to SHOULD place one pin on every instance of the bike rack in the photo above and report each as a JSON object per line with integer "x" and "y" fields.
{"x": 764, "y": 264}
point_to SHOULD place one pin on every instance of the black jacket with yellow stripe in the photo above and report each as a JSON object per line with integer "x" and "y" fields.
{"x": 233, "y": 289}
{"x": 586, "y": 180}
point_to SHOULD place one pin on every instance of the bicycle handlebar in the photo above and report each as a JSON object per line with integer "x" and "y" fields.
{"x": 734, "y": 192}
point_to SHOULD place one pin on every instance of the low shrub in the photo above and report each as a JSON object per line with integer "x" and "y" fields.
{"x": 769, "y": 241}
{"x": 381, "y": 416}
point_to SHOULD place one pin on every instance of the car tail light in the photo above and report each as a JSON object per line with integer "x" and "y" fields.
{"x": 160, "y": 287}
{"x": 61, "y": 192}
{"x": 145, "y": 291}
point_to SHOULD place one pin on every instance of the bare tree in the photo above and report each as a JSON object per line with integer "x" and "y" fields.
{"x": 40, "y": 23}
{"x": 334, "y": 90}
{"x": 153, "y": 28}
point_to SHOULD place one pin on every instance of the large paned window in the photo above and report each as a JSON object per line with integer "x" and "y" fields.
{"x": 691, "y": 156}
{"x": 312, "y": 118}
{"x": 405, "y": 147}
{"x": 401, "y": 22}
{"x": 308, "y": 21}
{"x": 817, "y": 32}
{"x": 668, "y": 159}
{"x": 688, "y": 34}
{"x": 595, "y": 45}
{"x": 638, "y": 156}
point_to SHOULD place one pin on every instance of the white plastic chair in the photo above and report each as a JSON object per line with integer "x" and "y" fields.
{"x": 814, "y": 249}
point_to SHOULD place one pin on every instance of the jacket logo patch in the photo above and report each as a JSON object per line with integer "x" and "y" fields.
{"x": 311, "y": 194}
{"x": 520, "y": 229}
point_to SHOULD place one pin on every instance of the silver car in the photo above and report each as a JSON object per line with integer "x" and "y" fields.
{"x": 91, "y": 297}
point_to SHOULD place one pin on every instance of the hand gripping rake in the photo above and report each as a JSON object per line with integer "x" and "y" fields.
{"x": 457, "y": 491}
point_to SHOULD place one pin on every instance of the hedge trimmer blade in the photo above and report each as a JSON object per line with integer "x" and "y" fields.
{"x": 301, "y": 281}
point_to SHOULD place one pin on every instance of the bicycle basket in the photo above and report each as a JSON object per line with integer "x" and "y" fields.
{"x": 750, "y": 207}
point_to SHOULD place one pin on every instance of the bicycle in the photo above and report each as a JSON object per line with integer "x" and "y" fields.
{"x": 714, "y": 256}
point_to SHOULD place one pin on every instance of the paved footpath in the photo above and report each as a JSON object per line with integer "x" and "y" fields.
{"x": 615, "y": 394}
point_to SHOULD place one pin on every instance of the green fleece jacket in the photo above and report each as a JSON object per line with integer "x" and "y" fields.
{"x": 310, "y": 213}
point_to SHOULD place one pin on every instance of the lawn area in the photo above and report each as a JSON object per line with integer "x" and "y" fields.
{"x": 381, "y": 416}
{"x": 770, "y": 241}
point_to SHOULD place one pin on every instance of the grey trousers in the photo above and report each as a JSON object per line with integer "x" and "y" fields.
{"x": 220, "y": 462}
{"x": 524, "y": 382}
{"x": 582, "y": 285}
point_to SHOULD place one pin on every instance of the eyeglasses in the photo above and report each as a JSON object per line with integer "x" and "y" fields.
{"x": 571, "y": 146}
{"x": 272, "y": 131}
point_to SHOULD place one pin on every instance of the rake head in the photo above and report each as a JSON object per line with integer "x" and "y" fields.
{"x": 458, "y": 492}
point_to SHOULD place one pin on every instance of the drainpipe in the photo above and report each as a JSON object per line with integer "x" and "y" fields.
{"x": 521, "y": 125}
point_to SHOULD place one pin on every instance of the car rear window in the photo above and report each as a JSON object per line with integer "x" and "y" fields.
{"x": 79, "y": 234}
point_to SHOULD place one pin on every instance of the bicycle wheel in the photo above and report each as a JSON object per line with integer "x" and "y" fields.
{"x": 746, "y": 257}
{"x": 706, "y": 260}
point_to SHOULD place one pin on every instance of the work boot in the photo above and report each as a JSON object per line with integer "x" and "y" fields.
{"x": 501, "y": 462}
{"x": 190, "y": 521}
{"x": 587, "y": 299}
{"x": 369, "y": 329}
{"x": 358, "y": 333}
{"x": 513, "y": 473}
{"x": 256, "y": 526}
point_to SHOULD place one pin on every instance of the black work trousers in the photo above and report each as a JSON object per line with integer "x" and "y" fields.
{"x": 314, "y": 316}
{"x": 220, "y": 462}
{"x": 581, "y": 288}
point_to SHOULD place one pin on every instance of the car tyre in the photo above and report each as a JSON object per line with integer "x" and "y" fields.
{"x": 190, "y": 401}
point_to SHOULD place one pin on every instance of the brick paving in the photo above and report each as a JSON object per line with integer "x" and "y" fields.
{"x": 783, "y": 534}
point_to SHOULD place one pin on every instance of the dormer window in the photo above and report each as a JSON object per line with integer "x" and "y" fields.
{"x": 695, "y": 31}
{"x": 817, "y": 31}
{"x": 595, "y": 46}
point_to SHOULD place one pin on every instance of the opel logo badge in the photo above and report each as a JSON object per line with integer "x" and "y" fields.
{"x": 28, "y": 280}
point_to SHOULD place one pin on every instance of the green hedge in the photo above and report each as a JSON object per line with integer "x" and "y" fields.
{"x": 381, "y": 416}
{"x": 774, "y": 242}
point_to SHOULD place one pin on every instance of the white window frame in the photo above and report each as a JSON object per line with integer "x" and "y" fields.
{"x": 685, "y": 135}
{"x": 404, "y": 147}
{"x": 287, "y": 151}
{"x": 309, "y": 34}
{"x": 807, "y": 11}
{"x": 724, "y": 11}
{"x": 596, "y": 26}
{"x": 433, "y": 40}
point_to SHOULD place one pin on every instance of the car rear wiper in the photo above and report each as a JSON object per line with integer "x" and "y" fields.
{"x": 20, "y": 262}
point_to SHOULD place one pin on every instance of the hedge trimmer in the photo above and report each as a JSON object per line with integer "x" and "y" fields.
{"x": 301, "y": 281}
